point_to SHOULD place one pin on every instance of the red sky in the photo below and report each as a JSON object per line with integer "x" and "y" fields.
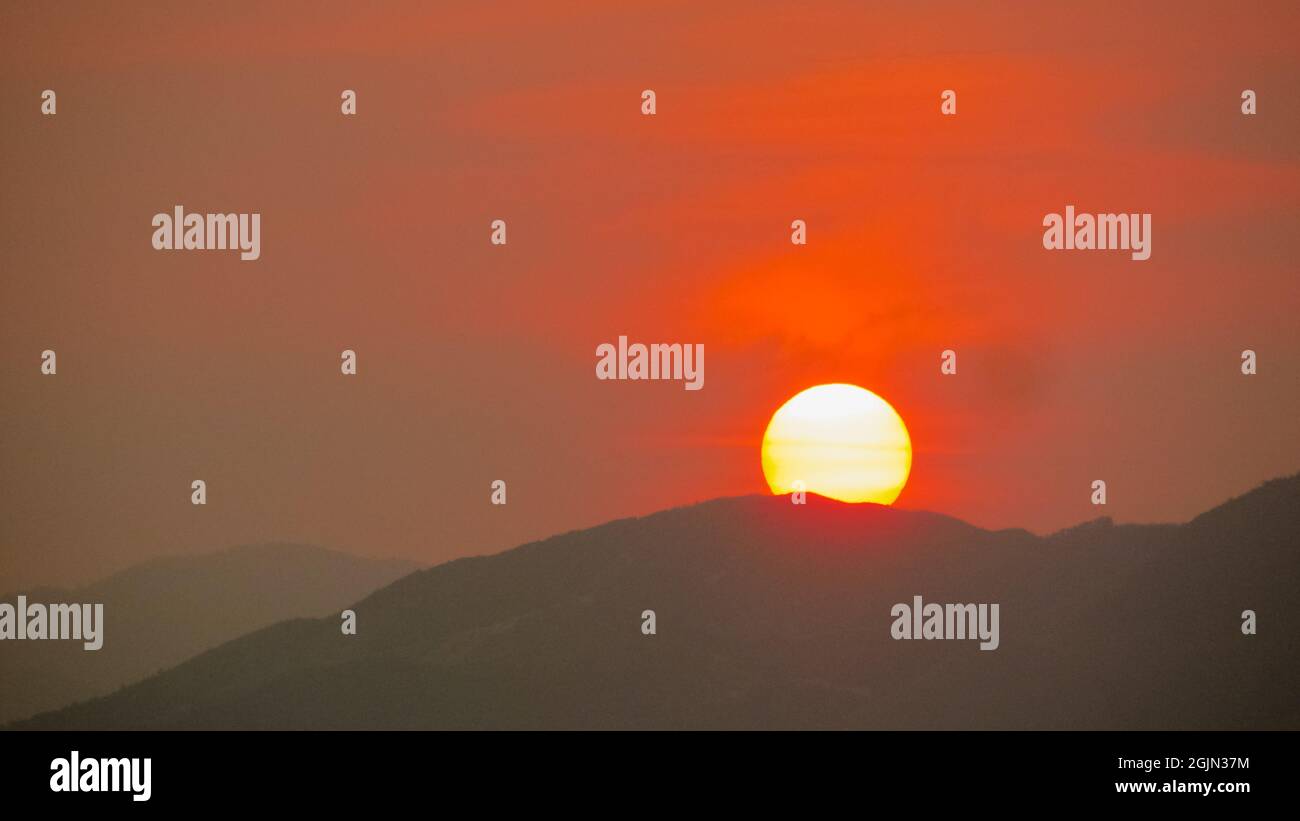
{"x": 477, "y": 362}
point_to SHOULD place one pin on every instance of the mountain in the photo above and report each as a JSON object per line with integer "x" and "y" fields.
{"x": 161, "y": 612}
{"x": 774, "y": 615}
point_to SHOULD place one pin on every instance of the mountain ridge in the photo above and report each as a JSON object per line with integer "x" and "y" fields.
{"x": 164, "y": 610}
{"x": 772, "y": 615}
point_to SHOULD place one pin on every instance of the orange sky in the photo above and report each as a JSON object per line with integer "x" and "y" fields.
{"x": 476, "y": 362}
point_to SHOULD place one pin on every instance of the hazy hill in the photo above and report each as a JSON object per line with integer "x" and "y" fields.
{"x": 161, "y": 612}
{"x": 776, "y": 615}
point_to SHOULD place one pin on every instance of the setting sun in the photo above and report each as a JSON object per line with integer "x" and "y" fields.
{"x": 839, "y": 441}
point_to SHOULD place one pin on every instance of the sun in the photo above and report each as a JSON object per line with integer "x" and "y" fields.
{"x": 839, "y": 441}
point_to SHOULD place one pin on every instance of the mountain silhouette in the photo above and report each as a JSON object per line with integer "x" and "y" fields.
{"x": 161, "y": 612}
{"x": 775, "y": 615}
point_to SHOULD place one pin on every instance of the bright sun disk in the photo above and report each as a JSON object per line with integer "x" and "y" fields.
{"x": 839, "y": 441}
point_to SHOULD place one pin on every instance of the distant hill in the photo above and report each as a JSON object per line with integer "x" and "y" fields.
{"x": 772, "y": 615}
{"x": 161, "y": 612}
